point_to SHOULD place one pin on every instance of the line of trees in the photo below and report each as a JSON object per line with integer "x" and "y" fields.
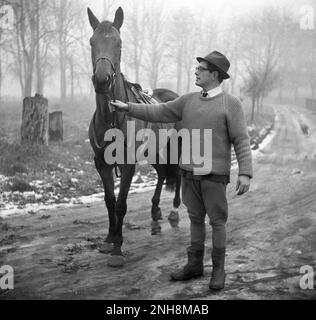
{"x": 50, "y": 39}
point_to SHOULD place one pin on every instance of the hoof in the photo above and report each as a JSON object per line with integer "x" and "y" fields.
{"x": 174, "y": 219}
{"x": 156, "y": 214}
{"x": 155, "y": 228}
{"x": 116, "y": 261}
{"x": 106, "y": 247}
{"x": 174, "y": 216}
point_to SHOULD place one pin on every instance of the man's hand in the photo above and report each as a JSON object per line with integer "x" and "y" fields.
{"x": 119, "y": 106}
{"x": 243, "y": 185}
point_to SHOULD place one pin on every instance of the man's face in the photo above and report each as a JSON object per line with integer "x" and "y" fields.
{"x": 204, "y": 77}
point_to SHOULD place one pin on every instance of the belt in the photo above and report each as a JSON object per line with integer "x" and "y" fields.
{"x": 212, "y": 177}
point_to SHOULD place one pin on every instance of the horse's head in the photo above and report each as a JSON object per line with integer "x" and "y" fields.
{"x": 106, "y": 48}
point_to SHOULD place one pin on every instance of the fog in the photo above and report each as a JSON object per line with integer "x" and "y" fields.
{"x": 160, "y": 42}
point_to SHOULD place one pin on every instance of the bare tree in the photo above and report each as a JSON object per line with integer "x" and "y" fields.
{"x": 67, "y": 15}
{"x": 24, "y": 44}
{"x": 26, "y": 41}
{"x": 261, "y": 45}
{"x": 187, "y": 35}
{"x": 156, "y": 48}
{"x": 133, "y": 47}
{"x": 2, "y": 52}
{"x": 45, "y": 35}
{"x": 231, "y": 38}
{"x": 178, "y": 39}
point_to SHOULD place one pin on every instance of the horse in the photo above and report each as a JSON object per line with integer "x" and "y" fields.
{"x": 110, "y": 84}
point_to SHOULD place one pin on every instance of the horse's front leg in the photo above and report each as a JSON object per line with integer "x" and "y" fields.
{"x": 105, "y": 172}
{"x": 117, "y": 258}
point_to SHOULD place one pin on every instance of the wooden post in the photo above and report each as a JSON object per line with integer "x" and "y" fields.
{"x": 34, "y": 128}
{"x": 55, "y": 131}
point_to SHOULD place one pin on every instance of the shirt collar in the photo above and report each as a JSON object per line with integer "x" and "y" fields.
{"x": 214, "y": 92}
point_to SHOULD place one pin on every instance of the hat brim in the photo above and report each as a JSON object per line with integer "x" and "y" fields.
{"x": 224, "y": 74}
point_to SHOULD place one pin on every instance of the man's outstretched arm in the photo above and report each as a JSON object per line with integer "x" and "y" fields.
{"x": 165, "y": 112}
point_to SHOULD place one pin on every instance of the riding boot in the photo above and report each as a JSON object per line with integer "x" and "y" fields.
{"x": 218, "y": 274}
{"x": 194, "y": 267}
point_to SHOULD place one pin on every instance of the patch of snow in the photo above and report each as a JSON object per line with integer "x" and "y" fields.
{"x": 3, "y": 178}
{"x": 266, "y": 141}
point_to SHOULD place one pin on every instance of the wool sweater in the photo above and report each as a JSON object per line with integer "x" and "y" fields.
{"x": 222, "y": 113}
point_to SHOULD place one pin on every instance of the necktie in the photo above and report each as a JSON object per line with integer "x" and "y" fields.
{"x": 204, "y": 94}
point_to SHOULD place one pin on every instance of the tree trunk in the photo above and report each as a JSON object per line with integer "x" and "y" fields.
{"x": 39, "y": 88}
{"x": 188, "y": 80}
{"x": 62, "y": 50}
{"x": 253, "y": 108}
{"x": 55, "y": 131}
{"x": 0, "y": 80}
{"x": 62, "y": 66}
{"x": 261, "y": 104}
{"x": 280, "y": 91}
{"x": 258, "y": 105}
{"x": 72, "y": 79}
{"x": 34, "y": 127}
{"x": 179, "y": 71}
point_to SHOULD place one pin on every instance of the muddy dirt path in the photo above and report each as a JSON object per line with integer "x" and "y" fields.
{"x": 271, "y": 235}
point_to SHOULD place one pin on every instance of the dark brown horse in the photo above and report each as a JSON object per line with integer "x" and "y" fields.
{"x": 110, "y": 84}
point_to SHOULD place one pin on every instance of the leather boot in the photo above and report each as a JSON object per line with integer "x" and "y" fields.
{"x": 194, "y": 267}
{"x": 218, "y": 274}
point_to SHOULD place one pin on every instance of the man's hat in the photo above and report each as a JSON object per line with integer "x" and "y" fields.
{"x": 219, "y": 61}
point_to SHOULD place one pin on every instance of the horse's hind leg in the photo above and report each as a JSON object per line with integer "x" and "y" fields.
{"x": 106, "y": 175}
{"x": 127, "y": 172}
{"x": 155, "y": 210}
{"x": 174, "y": 214}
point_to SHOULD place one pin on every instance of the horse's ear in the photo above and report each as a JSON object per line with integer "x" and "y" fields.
{"x": 93, "y": 19}
{"x": 119, "y": 18}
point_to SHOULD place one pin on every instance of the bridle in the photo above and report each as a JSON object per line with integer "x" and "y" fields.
{"x": 107, "y": 100}
{"x": 112, "y": 77}
{"x": 112, "y": 83}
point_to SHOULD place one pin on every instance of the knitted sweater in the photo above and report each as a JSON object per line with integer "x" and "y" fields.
{"x": 222, "y": 113}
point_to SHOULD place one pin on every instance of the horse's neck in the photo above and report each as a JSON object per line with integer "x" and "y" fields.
{"x": 121, "y": 91}
{"x": 103, "y": 116}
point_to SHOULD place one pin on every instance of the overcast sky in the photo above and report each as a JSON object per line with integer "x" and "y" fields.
{"x": 223, "y": 10}
{"x": 216, "y": 6}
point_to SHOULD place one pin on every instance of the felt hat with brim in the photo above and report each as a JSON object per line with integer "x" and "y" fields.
{"x": 218, "y": 60}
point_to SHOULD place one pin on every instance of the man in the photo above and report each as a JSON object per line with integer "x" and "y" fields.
{"x": 206, "y": 194}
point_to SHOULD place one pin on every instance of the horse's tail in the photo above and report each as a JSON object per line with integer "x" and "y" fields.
{"x": 172, "y": 170}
